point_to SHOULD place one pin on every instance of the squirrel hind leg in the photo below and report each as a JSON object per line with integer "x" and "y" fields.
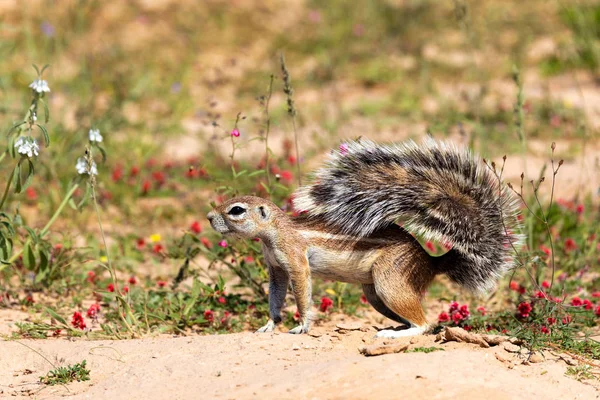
{"x": 399, "y": 282}
{"x": 379, "y": 305}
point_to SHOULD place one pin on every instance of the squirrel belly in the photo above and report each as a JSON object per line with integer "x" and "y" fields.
{"x": 437, "y": 190}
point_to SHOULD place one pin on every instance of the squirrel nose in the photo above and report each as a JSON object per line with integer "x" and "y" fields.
{"x": 210, "y": 215}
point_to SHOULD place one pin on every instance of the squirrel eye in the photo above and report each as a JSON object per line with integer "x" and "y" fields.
{"x": 237, "y": 210}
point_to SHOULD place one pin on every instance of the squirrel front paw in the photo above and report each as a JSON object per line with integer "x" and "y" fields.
{"x": 268, "y": 327}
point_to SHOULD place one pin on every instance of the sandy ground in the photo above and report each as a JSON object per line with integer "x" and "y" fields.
{"x": 325, "y": 365}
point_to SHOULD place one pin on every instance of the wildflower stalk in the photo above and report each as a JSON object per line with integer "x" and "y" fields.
{"x": 267, "y": 130}
{"x": 8, "y": 184}
{"x": 289, "y": 91}
{"x": 233, "y": 146}
{"x": 519, "y": 116}
{"x": 121, "y": 301}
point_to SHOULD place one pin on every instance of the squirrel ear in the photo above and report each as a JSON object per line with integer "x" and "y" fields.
{"x": 264, "y": 212}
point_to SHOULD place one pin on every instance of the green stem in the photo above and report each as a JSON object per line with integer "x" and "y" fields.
{"x": 46, "y": 228}
{"x": 8, "y": 184}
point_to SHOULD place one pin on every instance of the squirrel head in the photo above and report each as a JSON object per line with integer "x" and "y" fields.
{"x": 245, "y": 217}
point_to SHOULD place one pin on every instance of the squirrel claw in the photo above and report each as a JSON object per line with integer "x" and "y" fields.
{"x": 299, "y": 329}
{"x": 267, "y": 328}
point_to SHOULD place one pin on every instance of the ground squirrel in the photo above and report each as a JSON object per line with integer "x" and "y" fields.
{"x": 346, "y": 228}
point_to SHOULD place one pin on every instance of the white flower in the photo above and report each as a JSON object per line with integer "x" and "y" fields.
{"x": 82, "y": 167}
{"x": 27, "y": 145}
{"x": 95, "y": 135}
{"x": 40, "y": 85}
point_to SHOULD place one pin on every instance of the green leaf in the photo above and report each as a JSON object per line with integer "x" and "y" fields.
{"x": 103, "y": 152}
{"x": 258, "y": 172}
{"x": 14, "y": 127}
{"x": 17, "y": 178}
{"x": 32, "y": 234}
{"x": 44, "y": 68}
{"x": 45, "y": 132}
{"x": 44, "y": 260}
{"x": 29, "y": 257}
{"x": 30, "y": 172}
{"x": 46, "y": 111}
{"x": 57, "y": 317}
{"x": 36, "y": 69}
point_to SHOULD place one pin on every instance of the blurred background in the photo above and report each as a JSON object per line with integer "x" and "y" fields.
{"x": 164, "y": 82}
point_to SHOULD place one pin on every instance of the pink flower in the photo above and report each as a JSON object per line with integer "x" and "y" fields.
{"x": 161, "y": 284}
{"x": 209, "y": 316}
{"x": 111, "y": 287}
{"x": 580, "y": 208}
{"x": 343, "y": 149}
{"x": 443, "y": 317}
{"x": 540, "y": 295}
{"x": 222, "y": 300}
{"x": 91, "y": 277}
{"x": 326, "y": 304}
{"x": 223, "y": 243}
{"x": 464, "y": 311}
{"x": 514, "y": 286}
{"x": 576, "y": 302}
{"x": 524, "y": 309}
{"x": 545, "y": 250}
{"x": 206, "y": 243}
{"x": 482, "y": 310}
{"x": 235, "y": 133}
{"x": 587, "y": 304}
{"x": 596, "y": 294}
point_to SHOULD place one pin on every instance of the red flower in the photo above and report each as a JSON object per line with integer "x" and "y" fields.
{"x": 524, "y": 309}
{"x": 286, "y": 176}
{"x": 78, "y": 321}
{"x": 514, "y": 286}
{"x": 91, "y": 277}
{"x": 363, "y": 299}
{"x": 132, "y": 280}
{"x": 597, "y": 311}
{"x": 159, "y": 177}
{"x": 140, "y": 243}
{"x": 161, "y": 284}
{"x": 482, "y": 310}
{"x": 467, "y": 328}
{"x": 292, "y": 160}
{"x": 192, "y": 173}
{"x": 596, "y": 294}
{"x": 443, "y": 317}
{"x": 206, "y": 243}
{"x": 125, "y": 289}
{"x": 31, "y": 193}
{"x": 551, "y": 321}
{"x": 457, "y": 317}
{"x": 545, "y": 250}
{"x": 196, "y": 227}
{"x": 326, "y": 304}
{"x": 117, "y": 173}
{"x": 567, "y": 320}
{"x": 580, "y": 208}
{"x": 134, "y": 171}
{"x": 453, "y": 307}
{"x": 222, "y": 300}
{"x": 92, "y": 312}
{"x": 576, "y": 302}
{"x": 464, "y": 311}
{"x": 587, "y": 304}
{"x": 546, "y": 285}
{"x": 146, "y": 185}
{"x": 540, "y": 295}
{"x": 544, "y": 329}
{"x": 570, "y": 245}
{"x": 297, "y": 316}
{"x": 430, "y": 246}
{"x": 209, "y": 316}
{"x": 157, "y": 248}
{"x": 111, "y": 287}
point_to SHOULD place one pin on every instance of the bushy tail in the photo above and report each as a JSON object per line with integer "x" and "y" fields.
{"x": 441, "y": 192}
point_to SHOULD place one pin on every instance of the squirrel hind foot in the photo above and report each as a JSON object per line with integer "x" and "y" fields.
{"x": 393, "y": 334}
